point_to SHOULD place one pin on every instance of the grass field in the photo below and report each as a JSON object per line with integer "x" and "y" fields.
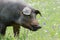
{"x": 50, "y": 22}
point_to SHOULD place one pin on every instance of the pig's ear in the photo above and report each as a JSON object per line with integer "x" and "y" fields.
{"x": 38, "y": 12}
{"x": 26, "y": 11}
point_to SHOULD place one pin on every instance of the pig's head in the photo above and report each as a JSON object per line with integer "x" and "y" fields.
{"x": 28, "y": 19}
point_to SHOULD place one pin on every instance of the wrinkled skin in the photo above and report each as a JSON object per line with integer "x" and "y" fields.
{"x": 11, "y": 15}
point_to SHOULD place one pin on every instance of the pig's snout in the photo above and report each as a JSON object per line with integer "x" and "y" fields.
{"x": 35, "y": 27}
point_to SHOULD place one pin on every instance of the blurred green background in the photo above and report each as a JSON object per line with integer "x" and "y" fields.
{"x": 50, "y": 22}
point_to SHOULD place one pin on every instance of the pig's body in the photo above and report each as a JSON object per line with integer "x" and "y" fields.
{"x": 8, "y": 13}
{"x": 11, "y": 15}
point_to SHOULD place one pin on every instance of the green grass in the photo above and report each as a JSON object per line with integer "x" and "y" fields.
{"x": 50, "y": 22}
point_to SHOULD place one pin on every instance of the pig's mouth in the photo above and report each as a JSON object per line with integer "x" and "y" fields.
{"x": 32, "y": 27}
{"x": 35, "y": 28}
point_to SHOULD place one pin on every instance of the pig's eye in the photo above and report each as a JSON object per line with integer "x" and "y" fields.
{"x": 26, "y": 11}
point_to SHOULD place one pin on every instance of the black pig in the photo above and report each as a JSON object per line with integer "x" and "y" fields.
{"x": 17, "y": 14}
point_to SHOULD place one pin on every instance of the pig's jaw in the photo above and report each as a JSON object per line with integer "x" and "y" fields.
{"x": 19, "y": 20}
